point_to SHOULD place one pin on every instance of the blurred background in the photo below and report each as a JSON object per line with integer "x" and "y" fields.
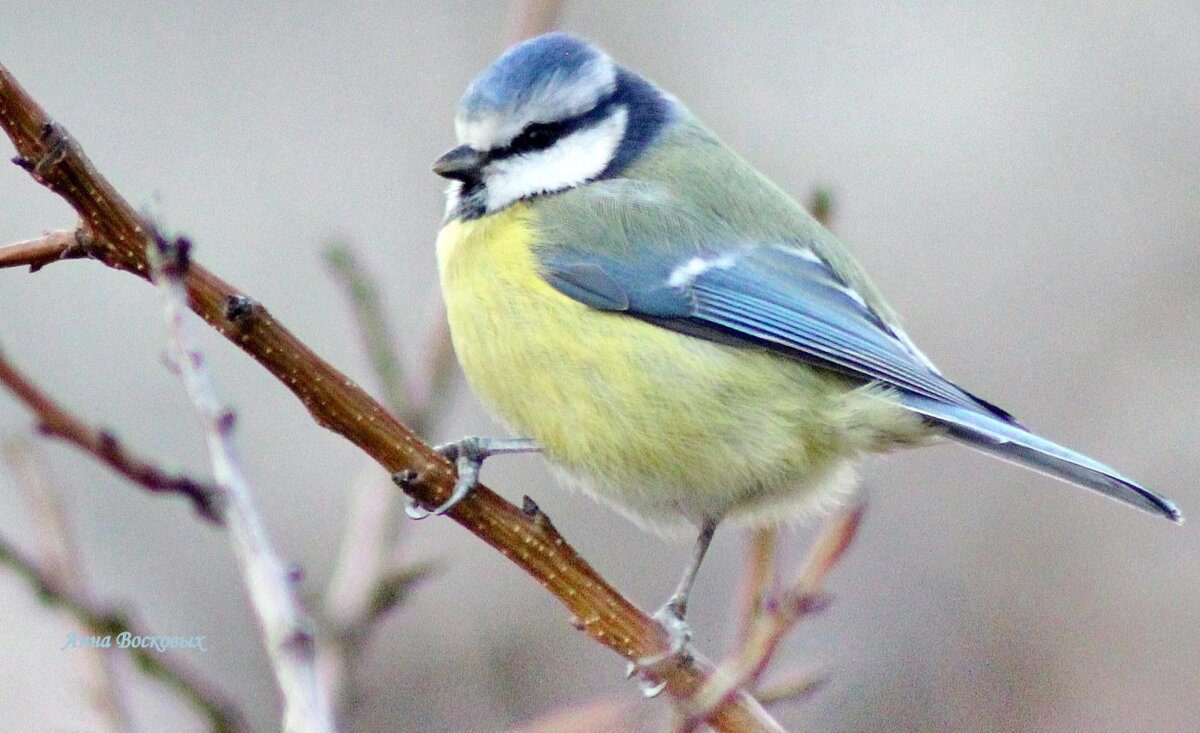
{"x": 1023, "y": 181}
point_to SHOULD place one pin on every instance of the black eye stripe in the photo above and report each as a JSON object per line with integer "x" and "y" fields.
{"x": 537, "y": 136}
{"x": 541, "y": 135}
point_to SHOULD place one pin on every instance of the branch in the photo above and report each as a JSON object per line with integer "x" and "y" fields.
{"x": 366, "y": 583}
{"x": 102, "y": 444}
{"x": 48, "y": 248}
{"x": 781, "y": 612}
{"x": 526, "y": 538}
{"x": 533, "y": 18}
{"x": 758, "y": 579}
{"x": 796, "y": 686}
{"x": 373, "y": 329}
{"x": 529, "y": 18}
{"x": 286, "y": 628}
{"x": 367, "y": 580}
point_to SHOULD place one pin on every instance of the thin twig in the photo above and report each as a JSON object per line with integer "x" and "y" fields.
{"x": 779, "y": 615}
{"x": 363, "y": 552}
{"x": 526, "y": 538}
{"x": 373, "y": 519}
{"x": 529, "y": 18}
{"x": 286, "y": 628}
{"x": 429, "y": 388}
{"x": 374, "y": 329}
{"x": 367, "y": 581}
{"x": 362, "y": 588}
{"x": 758, "y": 579}
{"x": 796, "y": 686}
{"x": 222, "y": 717}
{"x": 55, "y": 421}
{"x": 50, "y": 247}
{"x": 534, "y": 17}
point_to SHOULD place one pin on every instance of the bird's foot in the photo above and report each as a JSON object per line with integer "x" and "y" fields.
{"x": 679, "y": 638}
{"x": 468, "y": 456}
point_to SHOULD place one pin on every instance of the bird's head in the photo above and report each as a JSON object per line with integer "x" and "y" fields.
{"x": 550, "y": 114}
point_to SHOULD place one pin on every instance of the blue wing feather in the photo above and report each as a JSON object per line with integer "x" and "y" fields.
{"x": 766, "y": 294}
{"x": 787, "y": 300}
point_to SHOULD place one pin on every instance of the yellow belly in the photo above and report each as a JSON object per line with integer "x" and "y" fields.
{"x": 662, "y": 425}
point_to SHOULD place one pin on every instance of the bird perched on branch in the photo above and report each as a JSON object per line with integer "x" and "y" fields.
{"x": 675, "y": 333}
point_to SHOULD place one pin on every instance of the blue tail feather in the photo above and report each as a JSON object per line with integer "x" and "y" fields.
{"x": 1011, "y": 442}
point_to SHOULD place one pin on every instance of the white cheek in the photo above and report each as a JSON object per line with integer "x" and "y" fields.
{"x": 577, "y": 158}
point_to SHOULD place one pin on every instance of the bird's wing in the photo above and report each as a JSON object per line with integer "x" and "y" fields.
{"x": 786, "y": 297}
{"x": 776, "y": 295}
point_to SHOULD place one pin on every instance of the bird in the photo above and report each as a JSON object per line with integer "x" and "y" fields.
{"x": 675, "y": 333}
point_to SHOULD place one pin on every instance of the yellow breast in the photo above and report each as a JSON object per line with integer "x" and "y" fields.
{"x": 661, "y": 424}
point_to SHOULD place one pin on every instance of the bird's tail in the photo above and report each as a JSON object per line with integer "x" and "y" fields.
{"x": 1006, "y": 440}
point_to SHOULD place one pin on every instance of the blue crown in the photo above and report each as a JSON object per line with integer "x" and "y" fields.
{"x": 525, "y": 70}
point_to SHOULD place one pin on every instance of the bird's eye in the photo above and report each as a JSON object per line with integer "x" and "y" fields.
{"x": 537, "y": 136}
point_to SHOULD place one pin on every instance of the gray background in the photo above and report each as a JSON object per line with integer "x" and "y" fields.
{"x": 1023, "y": 182}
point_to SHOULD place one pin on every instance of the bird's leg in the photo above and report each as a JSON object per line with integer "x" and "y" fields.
{"x": 468, "y": 456}
{"x": 672, "y": 615}
{"x": 676, "y": 606}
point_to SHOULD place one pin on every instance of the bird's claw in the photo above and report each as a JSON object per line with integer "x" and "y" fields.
{"x": 679, "y": 638}
{"x": 468, "y": 456}
{"x": 650, "y": 689}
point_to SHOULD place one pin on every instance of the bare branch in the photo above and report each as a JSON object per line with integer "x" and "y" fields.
{"x": 794, "y": 687}
{"x": 758, "y": 579}
{"x": 362, "y": 587}
{"x": 526, "y": 538}
{"x": 827, "y": 552}
{"x": 366, "y": 581}
{"x": 55, "y": 421}
{"x": 534, "y": 17}
{"x": 37, "y": 253}
{"x": 374, "y": 329}
{"x": 779, "y": 615}
{"x": 365, "y": 548}
{"x": 430, "y": 385}
{"x": 286, "y": 628}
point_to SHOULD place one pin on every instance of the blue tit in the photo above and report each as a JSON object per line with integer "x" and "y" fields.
{"x": 677, "y": 335}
